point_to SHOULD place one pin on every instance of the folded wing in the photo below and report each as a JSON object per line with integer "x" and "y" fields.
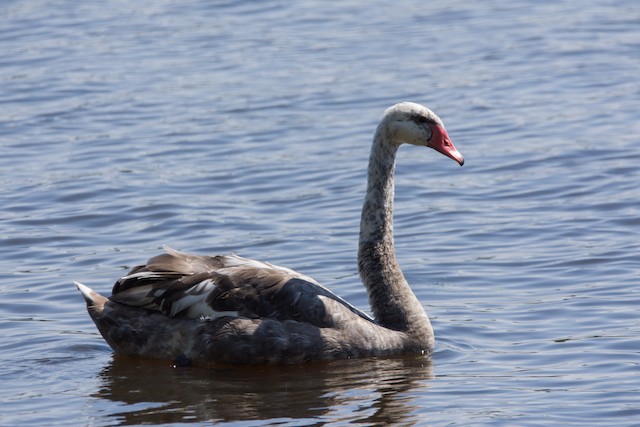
{"x": 180, "y": 284}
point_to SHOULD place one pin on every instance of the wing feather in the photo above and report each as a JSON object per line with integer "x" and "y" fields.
{"x": 180, "y": 284}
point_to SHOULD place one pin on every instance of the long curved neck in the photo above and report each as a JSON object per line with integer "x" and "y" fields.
{"x": 392, "y": 301}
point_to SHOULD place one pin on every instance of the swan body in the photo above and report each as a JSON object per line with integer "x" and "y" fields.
{"x": 204, "y": 310}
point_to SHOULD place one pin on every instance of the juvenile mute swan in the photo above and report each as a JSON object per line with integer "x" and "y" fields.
{"x": 205, "y": 310}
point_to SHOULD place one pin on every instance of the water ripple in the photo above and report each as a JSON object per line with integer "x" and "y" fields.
{"x": 245, "y": 127}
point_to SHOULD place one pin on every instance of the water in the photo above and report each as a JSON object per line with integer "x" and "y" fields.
{"x": 245, "y": 127}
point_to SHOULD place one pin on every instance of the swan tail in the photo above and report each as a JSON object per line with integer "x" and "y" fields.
{"x": 91, "y": 297}
{"x": 135, "y": 331}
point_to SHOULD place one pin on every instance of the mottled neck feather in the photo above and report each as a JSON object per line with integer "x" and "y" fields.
{"x": 392, "y": 301}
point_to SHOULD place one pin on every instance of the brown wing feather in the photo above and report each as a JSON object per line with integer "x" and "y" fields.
{"x": 180, "y": 284}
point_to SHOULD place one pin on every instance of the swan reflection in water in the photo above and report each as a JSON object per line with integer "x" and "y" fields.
{"x": 374, "y": 391}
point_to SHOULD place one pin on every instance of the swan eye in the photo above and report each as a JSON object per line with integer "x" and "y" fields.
{"x": 423, "y": 120}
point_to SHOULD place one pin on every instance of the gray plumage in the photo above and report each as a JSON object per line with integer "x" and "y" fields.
{"x": 229, "y": 309}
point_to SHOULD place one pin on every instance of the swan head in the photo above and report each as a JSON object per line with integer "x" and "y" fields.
{"x": 415, "y": 124}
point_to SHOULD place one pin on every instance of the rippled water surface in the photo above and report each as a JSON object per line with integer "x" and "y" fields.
{"x": 244, "y": 127}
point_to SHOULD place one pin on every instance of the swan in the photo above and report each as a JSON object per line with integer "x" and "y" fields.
{"x": 206, "y": 310}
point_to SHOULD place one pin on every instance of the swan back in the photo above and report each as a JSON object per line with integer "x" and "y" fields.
{"x": 194, "y": 286}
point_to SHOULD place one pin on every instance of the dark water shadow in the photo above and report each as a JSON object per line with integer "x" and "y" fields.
{"x": 371, "y": 391}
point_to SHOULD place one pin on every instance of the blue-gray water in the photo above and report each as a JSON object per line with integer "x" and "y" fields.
{"x": 244, "y": 127}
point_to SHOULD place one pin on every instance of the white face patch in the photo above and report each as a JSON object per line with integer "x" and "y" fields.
{"x": 409, "y": 123}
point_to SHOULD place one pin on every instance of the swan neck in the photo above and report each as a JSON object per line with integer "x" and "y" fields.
{"x": 393, "y": 303}
{"x": 377, "y": 213}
